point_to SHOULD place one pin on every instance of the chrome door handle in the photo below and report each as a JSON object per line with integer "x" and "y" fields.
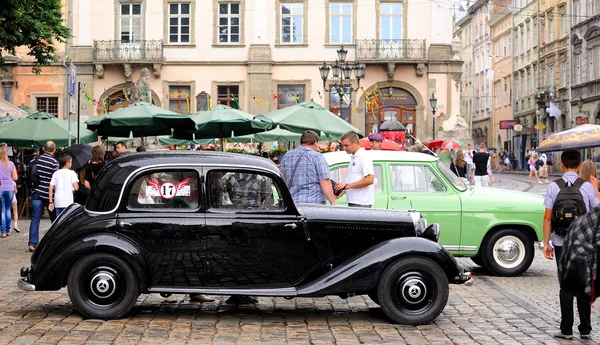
{"x": 123, "y": 224}
{"x": 291, "y": 225}
{"x": 393, "y": 197}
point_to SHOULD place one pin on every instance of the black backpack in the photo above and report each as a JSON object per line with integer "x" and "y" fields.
{"x": 568, "y": 206}
{"x": 31, "y": 174}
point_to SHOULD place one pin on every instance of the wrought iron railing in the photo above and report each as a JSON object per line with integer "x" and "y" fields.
{"x": 382, "y": 50}
{"x": 138, "y": 50}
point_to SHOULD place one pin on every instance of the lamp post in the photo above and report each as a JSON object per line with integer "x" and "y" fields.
{"x": 433, "y": 103}
{"x": 342, "y": 74}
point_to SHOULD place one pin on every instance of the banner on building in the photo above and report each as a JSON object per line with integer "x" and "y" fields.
{"x": 507, "y": 124}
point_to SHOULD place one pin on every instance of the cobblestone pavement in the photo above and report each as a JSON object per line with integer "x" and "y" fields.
{"x": 517, "y": 310}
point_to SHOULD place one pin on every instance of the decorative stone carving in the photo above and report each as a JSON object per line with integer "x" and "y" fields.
{"x": 456, "y": 45}
{"x": 391, "y": 68}
{"x": 456, "y": 77}
{"x": 99, "y": 71}
{"x": 202, "y": 101}
{"x": 127, "y": 71}
{"x": 156, "y": 69}
{"x": 142, "y": 92}
{"x": 420, "y": 69}
{"x": 456, "y": 127}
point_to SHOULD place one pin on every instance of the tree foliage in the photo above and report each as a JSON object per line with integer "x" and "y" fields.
{"x": 36, "y": 24}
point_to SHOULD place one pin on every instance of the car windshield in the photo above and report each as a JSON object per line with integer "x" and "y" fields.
{"x": 452, "y": 178}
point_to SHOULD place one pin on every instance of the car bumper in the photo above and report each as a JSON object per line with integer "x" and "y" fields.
{"x": 464, "y": 278}
{"x": 24, "y": 285}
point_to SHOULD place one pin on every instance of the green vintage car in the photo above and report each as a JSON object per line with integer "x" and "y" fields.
{"x": 496, "y": 228}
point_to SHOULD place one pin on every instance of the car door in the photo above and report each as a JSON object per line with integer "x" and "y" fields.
{"x": 340, "y": 171}
{"x": 162, "y": 212}
{"x": 417, "y": 186}
{"x": 255, "y": 237}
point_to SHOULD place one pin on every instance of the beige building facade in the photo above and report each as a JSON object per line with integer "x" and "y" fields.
{"x": 465, "y": 32}
{"x": 265, "y": 54}
{"x": 501, "y": 31}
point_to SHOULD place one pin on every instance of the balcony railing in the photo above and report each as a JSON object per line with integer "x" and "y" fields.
{"x": 139, "y": 50}
{"x": 389, "y": 50}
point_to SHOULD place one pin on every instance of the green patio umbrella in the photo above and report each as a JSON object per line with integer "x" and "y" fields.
{"x": 309, "y": 116}
{"x": 29, "y": 110}
{"x": 8, "y": 119}
{"x": 167, "y": 140}
{"x": 34, "y": 130}
{"x": 277, "y": 134}
{"x": 139, "y": 119}
{"x": 221, "y": 122}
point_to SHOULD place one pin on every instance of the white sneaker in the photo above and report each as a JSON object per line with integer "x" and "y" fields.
{"x": 16, "y": 227}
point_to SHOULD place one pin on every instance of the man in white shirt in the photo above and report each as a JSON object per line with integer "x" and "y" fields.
{"x": 468, "y": 156}
{"x": 361, "y": 177}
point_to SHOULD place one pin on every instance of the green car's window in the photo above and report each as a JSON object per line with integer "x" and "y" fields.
{"x": 339, "y": 175}
{"x": 452, "y": 178}
{"x": 165, "y": 189}
{"x": 242, "y": 191}
{"x": 415, "y": 179}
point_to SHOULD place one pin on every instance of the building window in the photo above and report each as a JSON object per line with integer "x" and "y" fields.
{"x": 288, "y": 95}
{"x": 497, "y": 50}
{"x": 179, "y": 99}
{"x": 229, "y": 95}
{"x": 551, "y": 76}
{"x": 48, "y": 105}
{"x": 506, "y": 92}
{"x": 550, "y": 29}
{"x": 563, "y": 74}
{"x": 179, "y": 23}
{"x": 339, "y": 105}
{"x": 340, "y": 22}
{"x": 516, "y": 41}
{"x": 577, "y": 59}
{"x": 522, "y": 41}
{"x": 543, "y": 29}
{"x": 292, "y": 22}
{"x": 229, "y": 22}
{"x": 544, "y": 76}
{"x": 563, "y": 25}
{"x": 528, "y": 36}
{"x": 390, "y": 21}
{"x": 590, "y": 8}
{"x": 131, "y": 22}
{"x": 575, "y": 12}
{"x": 505, "y": 40}
{"x": 535, "y": 33}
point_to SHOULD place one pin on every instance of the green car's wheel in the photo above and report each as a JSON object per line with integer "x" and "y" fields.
{"x": 508, "y": 252}
{"x": 477, "y": 260}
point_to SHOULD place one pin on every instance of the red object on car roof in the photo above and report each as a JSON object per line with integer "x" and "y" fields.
{"x": 386, "y": 145}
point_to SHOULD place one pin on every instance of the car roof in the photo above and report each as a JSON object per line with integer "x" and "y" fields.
{"x": 337, "y": 157}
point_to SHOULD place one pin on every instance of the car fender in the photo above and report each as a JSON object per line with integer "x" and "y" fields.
{"x": 55, "y": 274}
{"x": 361, "y": 273}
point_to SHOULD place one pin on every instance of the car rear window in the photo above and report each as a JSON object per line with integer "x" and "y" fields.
{"x": 242, "y": 191}
{"x": 165, "y": 189}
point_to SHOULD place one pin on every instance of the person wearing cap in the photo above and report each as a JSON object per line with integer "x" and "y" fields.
{"x": 376, "y": 140}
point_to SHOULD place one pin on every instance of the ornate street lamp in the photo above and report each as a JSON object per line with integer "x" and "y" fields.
{"x": 342, "y": 73}
{"x": 580, "y": 104}
{"x": 433, "y": 103}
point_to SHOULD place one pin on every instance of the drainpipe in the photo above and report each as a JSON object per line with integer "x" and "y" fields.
{"x": 67, "y": 97}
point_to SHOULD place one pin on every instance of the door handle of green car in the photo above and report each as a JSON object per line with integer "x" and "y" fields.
{"x": 398, "y": 197}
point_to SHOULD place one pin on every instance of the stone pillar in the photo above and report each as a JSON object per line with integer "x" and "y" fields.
{"x": 259, "y": 78}
{"x": 7, "y": 84}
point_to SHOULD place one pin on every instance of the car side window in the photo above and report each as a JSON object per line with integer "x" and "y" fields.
{"x": 415, "y": 179}
{"x": 339, "y": 175}
{"x": 241, "y": 190}
{"x": 165, "y": 189}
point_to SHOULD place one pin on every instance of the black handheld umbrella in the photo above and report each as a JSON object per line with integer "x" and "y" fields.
{"x": 81, "y": 154}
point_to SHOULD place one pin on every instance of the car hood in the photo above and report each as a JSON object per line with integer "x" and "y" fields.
{"x": 501, "y": 200}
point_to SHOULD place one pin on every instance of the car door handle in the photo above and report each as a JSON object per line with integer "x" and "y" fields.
{"x": 291, "y": 225}
{"x": 123, "y": 224}
{"x": 393, "y": 197}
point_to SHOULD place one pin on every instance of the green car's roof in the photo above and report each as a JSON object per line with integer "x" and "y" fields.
{"x": 342, "y": 157}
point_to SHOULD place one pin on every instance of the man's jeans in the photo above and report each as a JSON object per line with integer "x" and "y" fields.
{"x": 566, "y": 308}
{"x": 37, "y": 204}
{"x": 469, "y": 169}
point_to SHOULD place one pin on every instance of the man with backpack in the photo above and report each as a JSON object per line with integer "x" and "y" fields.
{"x": 567, "y": 199}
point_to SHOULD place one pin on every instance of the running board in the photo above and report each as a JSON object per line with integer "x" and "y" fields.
{"x": 280, "y": 292}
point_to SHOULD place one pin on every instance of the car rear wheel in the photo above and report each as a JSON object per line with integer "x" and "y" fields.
{"x": 103, "y": 286}
{"x": 413, "y": 290}
{"x": 508, "y": 252}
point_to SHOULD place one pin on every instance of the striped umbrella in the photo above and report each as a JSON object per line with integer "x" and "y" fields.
{"x": 452, "y": 144}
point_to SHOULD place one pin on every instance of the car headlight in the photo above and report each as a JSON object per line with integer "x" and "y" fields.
{"x": 432, "y": 232}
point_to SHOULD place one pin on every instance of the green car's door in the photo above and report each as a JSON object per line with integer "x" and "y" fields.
{"x": 417, "y": 186}
{"x": 339, "y": 173}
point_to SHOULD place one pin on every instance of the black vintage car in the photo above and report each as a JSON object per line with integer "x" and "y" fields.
{"x": 225, "y": 224}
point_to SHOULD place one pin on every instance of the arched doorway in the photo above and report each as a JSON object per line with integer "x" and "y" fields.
{"x": 119, "y": 96}
{"x": 393, "y": 103}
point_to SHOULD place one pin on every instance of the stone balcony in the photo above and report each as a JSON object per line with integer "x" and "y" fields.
{"x": 554, "y": 46}
{"x": 127, "y": 53}
{"x": 374, "y": 50}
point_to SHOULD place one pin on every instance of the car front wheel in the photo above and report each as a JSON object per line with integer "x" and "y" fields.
{"x": 413, "y": 290}
{"x": 103, "y": 286}
{"x": 508, "y": 252}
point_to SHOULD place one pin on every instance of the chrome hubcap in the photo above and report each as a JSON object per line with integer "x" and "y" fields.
{"x": 413, "y": 290}
{"x": 103, "y": 285}
{"x": 509, "y": 251}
